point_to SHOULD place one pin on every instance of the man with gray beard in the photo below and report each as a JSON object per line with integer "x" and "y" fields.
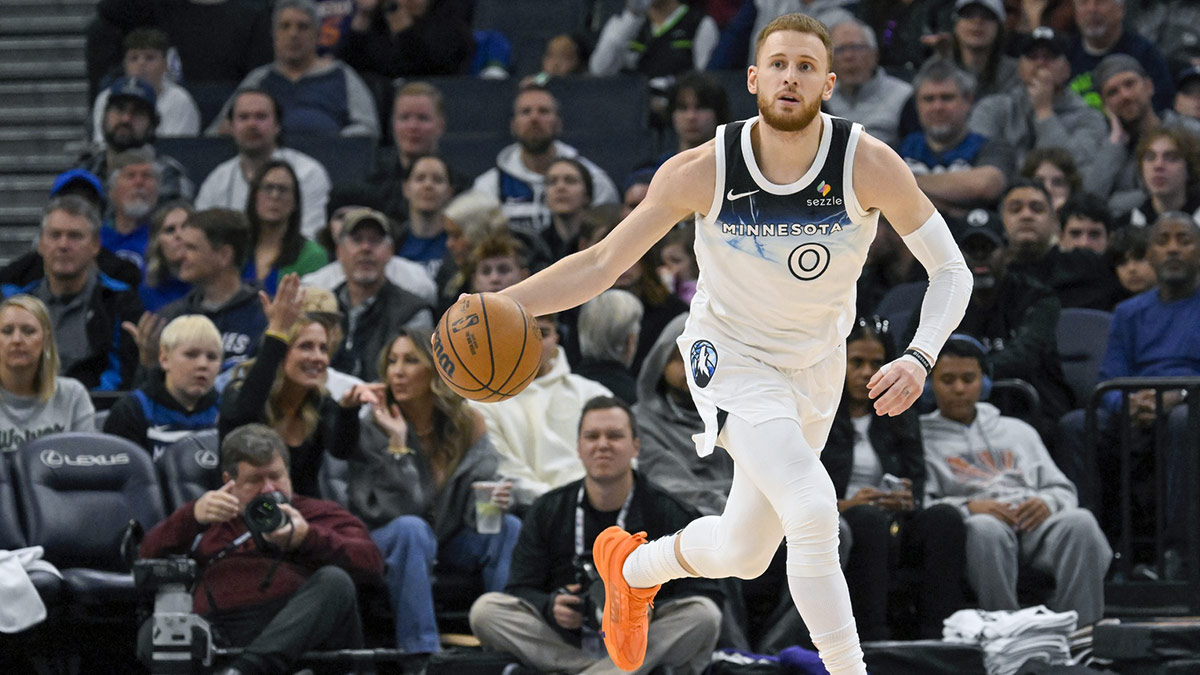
{"x": 133, "y": 187}
{"x": 958, "y": 170}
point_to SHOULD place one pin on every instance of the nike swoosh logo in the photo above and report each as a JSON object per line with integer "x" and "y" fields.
{"x": 731, "y": 197}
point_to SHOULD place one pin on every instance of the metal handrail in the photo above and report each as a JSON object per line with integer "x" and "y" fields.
{"x": 1191, "y": 467}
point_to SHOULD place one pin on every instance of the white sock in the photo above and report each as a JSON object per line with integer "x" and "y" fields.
{"x": 653, "y": 563}
{"x": 840, "y": 651}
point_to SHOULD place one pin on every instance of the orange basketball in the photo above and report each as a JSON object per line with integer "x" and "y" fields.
{"x": 487, "y": 347}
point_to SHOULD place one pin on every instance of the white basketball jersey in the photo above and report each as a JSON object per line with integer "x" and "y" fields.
{"x": 779, "y": 263}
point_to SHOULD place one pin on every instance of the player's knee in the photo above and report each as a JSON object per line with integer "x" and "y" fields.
{"x": 809, "y": 519}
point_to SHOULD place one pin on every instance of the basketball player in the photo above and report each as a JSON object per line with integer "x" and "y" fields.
{"x": 789, "y": 203}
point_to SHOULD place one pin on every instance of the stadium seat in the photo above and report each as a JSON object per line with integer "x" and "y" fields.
{"x": 12, "y": 536}
{"x": 472, "y": 153}
{"x": 1082, "y": 341}
{"x": 332, "y": 479}
{"x": 529, "y": 24}
{"x": 474, "y": 105}
{"x": 78, "y": 493}
{"x": 199, "y": 155}
{"x": 210, "y": 97}
{"x": 618, "y": 154}
{"x": 190, "y": 467}
{"x": 348, "y": 159}
{"x": 608, "y": 104}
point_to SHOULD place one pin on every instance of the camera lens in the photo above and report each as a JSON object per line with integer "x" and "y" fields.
{"x": 263, "y": 513}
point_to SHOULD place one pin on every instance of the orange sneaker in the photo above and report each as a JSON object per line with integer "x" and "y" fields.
{"x": 625, "y": 622}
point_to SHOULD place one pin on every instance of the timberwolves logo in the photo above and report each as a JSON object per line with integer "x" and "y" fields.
{"x": 704, "y": 362}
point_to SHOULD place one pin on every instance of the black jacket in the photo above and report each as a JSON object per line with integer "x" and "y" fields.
{"x": 112, "y": 358}
{"x": 392, "y": 309}
{"x": 151, "y": 417}
{"x": 1020, "y": 330}
{"x": 1080, "y": 278}
{"x": 543, "y": 560}
{"x": 245, "y": 401}
{"x": 897, "y": 443}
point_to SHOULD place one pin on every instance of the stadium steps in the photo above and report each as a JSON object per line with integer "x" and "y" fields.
{"x": 43, "y": 107}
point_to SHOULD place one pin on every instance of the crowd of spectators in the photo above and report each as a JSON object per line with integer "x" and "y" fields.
{"x": 290, "y": 310}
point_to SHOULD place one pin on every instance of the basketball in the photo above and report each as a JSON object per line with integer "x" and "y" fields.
{"x": 487, "y": 347}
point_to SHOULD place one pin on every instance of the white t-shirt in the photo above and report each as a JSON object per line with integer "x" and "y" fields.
{"x": 226, "y": 187}
{"x": 866, "y": 470}
{"x": 177, "y": 114}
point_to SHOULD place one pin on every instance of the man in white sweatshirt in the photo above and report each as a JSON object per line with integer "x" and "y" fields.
{"x": 1019, "y": 507}
{"x": 535, "y": 431}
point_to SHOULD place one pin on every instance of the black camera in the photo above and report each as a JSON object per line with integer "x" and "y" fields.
{"x": 585, "y": 575}
{"x": 155, "y": 573}
{"x": 263, "y": 514}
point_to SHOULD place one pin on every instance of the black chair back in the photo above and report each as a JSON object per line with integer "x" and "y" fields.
{"x": 190, "y": 467}
{"x": 78, "y": 492}
{"x": 11, "y": 535}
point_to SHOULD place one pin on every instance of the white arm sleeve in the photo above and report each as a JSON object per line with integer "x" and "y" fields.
{"x": 950, "y": 284}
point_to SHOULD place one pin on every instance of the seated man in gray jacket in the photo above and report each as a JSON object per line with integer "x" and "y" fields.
{"x": 1043, "y": 111}
{"x": 1019, "y": 507}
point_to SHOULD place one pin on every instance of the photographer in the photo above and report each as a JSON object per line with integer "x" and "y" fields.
{"x": 280, "y": 592}
{"x": 548, "y": 618}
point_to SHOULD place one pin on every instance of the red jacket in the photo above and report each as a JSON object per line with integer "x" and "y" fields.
{"x": 335, "y": 537}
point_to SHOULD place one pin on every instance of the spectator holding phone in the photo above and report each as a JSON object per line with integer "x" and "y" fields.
{"x": 877, "y": 467}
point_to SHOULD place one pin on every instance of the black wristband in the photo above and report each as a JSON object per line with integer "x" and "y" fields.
{"x": 921, "y": 360}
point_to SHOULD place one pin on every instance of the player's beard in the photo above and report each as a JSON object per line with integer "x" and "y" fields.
{"x": 791, "y": 122}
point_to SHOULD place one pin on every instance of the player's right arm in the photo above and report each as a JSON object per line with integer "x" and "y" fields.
{"x": 682, "y": 186}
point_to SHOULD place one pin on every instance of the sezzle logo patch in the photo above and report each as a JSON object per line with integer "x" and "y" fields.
{"x": 824, "y": 200}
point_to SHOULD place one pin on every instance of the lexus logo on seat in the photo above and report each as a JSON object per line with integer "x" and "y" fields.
{"x": 55, "y": 459}
{"x": 207, "y": 459}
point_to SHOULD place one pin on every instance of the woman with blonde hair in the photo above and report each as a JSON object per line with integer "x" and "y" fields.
{"x": 34, "y": 400}
{"x": 284, "y": 386}
{"x": 411, "y": 476}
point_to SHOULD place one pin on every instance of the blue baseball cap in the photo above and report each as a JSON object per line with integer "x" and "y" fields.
{"x": 135, "y": 88}
{"x": 77, "y": 176}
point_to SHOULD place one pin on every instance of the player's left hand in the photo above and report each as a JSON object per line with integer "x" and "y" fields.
{"x": 896, "y": 386}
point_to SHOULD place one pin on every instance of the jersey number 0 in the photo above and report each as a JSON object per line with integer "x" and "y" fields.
{"x": 808, "y": 261}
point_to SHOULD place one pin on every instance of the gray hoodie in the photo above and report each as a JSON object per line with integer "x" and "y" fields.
{"x": 995, "y": 457}
{"x": 665, "y": 426}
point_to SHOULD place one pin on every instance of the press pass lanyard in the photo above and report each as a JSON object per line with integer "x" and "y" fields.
{"x": 579, "y": 518}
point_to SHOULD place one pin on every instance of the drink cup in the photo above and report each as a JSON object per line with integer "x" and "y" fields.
{"x": 488, "y": 514}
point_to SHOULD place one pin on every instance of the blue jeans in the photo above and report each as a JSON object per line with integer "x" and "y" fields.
{"x": 410, "y": 550}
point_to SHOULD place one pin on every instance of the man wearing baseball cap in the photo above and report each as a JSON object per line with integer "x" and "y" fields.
{"x": 80, "y": 183}
{"x": 128, "y": 122}
{"x": 1102, "y": 32}
{"x": 1042, "y": 112}
{"x": 374, "y": 310}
